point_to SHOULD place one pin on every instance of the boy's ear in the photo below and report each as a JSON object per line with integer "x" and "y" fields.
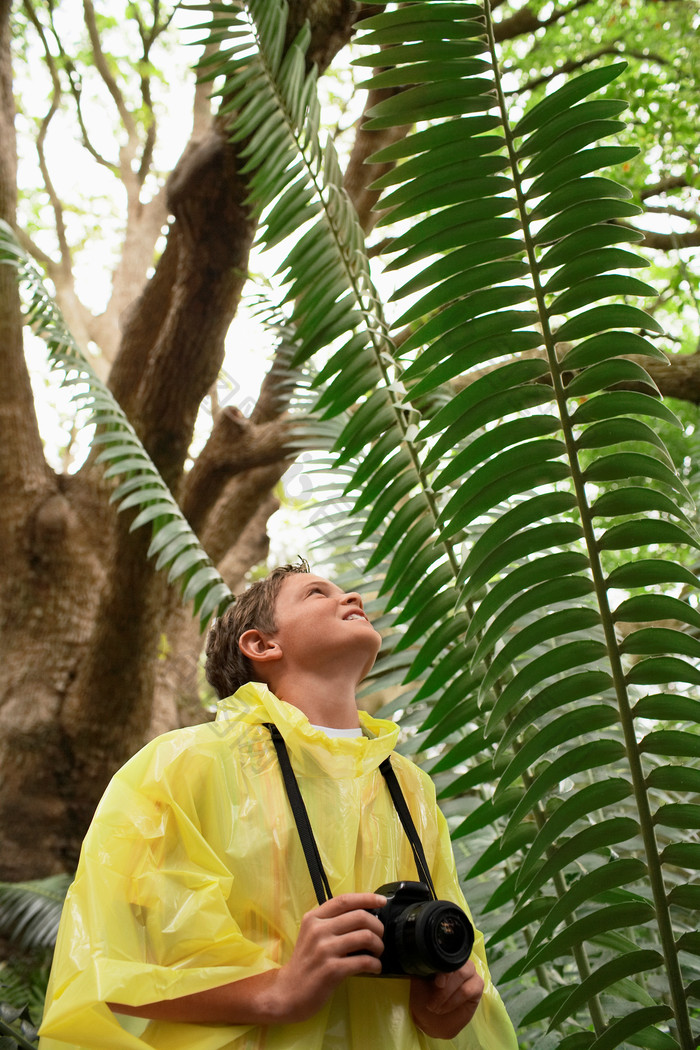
{"x": 259, "y": 647}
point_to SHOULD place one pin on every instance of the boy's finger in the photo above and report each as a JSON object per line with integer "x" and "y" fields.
{"x": 350, "y": 902}
{"x": 458, "y": 991}
{"x": 358, "y": 921}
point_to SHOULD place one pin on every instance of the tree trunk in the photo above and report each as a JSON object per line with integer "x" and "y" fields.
{"x": 97, "y": 653}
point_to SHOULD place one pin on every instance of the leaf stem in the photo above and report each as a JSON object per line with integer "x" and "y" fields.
{"x": 337, "y": 207}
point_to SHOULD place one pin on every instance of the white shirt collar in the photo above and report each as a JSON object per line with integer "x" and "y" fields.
{"x": 345, "y": 733}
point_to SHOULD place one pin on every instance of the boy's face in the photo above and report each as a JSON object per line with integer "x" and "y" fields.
{"x": 318, "y": 622}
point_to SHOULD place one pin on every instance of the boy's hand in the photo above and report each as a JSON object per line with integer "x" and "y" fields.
{"x": 443, "y": 1005}
{"x": 321, "y": 959}
{"x": 324, "y": 953}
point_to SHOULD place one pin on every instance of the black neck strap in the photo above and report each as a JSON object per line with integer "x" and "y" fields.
{"x": 306, "y": 835}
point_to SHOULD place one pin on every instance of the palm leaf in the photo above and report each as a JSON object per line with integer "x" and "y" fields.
{"x": 468, "y": 498}
{"x": 30, "y": 911}
{"x": 140, "y": 484}
{"x": 561, "y": 217}
{"x": 295, "y": 186}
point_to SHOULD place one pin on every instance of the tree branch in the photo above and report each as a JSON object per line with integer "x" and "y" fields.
{"x": 179, "y": 323}
{"x": 54, "y": 200}
{"x": 149, "y": 35}
{"x": 251, "y": 547}
{"x": 666, "y": 242}
{"x": 566, "y": 67}
{"x": 681, "y": 213}
{"x": 103, "y": 69}
{"x": 235, "y": 445}
{"x": 127, "y": 154}
{"x": 359, "y": 174}
{"x": 34, "y": 250}
{"x": 525, "y": 21}
{"x": 273, "y": 397}
{"x": 73, "y": 80}
{"x": 679, "y": 378}
{"x": 202, "y": 109}
{"x": 374, "y": 250}
{"x": 76, "y": 92}
{"x": 331, "y": 24}
{"x": 676, "y": 182}
{"x": 573, "y": 64}
{"x": 237, "y": 506}
{"x": 238, "y": 444}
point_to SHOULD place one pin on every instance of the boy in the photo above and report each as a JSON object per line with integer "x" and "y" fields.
{"x": 215, "y": 941}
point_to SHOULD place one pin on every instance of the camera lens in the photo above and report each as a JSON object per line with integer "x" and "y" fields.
{"x": 433, "y": 937}
{"x": 449, "y": 936}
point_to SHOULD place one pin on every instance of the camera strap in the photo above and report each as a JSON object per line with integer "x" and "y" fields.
{"x": 308, "y": 842}
{"x": 306, "y": 835}
{"x": 397, "y": 797}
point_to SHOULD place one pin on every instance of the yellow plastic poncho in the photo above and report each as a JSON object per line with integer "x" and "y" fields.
{"x": 192, "y": 875}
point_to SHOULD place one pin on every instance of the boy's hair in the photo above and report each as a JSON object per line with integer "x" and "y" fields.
{"x": 227, "y": 669}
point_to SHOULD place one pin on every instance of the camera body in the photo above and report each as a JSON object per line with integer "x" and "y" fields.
{"x": 422, "y": 936}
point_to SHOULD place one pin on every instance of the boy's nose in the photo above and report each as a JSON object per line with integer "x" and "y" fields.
{"x": 351, "y": 598}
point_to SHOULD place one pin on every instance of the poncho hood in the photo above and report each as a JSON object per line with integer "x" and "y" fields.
{"x": 314, "y": 752}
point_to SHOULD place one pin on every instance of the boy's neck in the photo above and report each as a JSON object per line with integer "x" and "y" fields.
{"x": 327, "y": 701}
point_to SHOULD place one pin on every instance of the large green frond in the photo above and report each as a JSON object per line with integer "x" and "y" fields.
{"x": 507, "y": 487}
{"x": 491, "y": 450}
{"x": 334, "y": 299}
{"x": 139, "y": 484}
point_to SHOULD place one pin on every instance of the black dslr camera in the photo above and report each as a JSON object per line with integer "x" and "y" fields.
{"x": 422, "y": 936}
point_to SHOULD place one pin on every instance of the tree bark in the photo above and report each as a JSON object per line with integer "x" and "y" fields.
{"x": 359, "y": 175}
{"x": 180, "y": 689}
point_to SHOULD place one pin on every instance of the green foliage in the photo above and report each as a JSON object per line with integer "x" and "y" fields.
{"x": 527, "y": 514}
{"x": 29, "y": 916}
{"x": 30, "y": 911}
{"x": 16, "y": 1029}
{"x": 661, "y": 46}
